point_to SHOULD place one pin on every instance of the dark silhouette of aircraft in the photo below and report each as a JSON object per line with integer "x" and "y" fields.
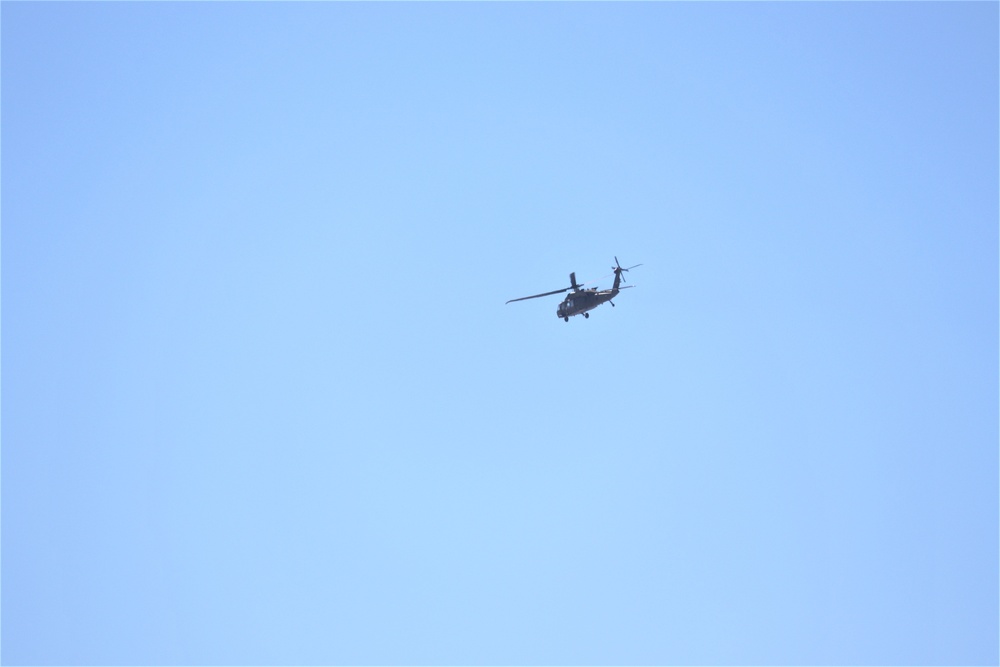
{"x": 582, "y": 300}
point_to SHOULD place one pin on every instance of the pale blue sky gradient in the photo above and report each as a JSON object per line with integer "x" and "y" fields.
{"x": 263, "y": 402}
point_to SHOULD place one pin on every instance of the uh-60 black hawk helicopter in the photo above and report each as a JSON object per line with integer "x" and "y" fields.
{"x": 581, "y": 300}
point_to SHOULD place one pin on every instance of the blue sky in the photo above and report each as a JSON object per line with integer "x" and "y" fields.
{"x": 263, "y": 402}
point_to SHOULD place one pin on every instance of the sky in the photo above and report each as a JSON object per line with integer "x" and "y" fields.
{"x": 263, "y": 401}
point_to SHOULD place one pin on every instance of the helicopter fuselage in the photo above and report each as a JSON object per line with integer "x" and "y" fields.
{"x": 578, "y": 303}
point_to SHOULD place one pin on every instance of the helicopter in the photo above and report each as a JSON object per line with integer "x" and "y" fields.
{"x": 582, "y": 300}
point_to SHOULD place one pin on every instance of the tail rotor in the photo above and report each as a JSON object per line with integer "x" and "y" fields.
{"x": 619, "y": 271}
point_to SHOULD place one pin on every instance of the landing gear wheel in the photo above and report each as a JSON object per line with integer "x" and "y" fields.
{"x": 586, "y": 316}
{"x": 565, "y": 319}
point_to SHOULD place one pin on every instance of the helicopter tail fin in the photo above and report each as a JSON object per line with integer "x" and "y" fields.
{"x": 617, "y": 268}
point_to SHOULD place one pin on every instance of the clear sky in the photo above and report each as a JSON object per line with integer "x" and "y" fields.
{"x": 263, "y": 401}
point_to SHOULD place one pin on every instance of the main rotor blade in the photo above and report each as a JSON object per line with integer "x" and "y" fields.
{"x": 535, "y": 296}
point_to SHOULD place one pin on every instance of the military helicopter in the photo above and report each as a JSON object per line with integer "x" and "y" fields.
{"x": 581, "y": 300}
